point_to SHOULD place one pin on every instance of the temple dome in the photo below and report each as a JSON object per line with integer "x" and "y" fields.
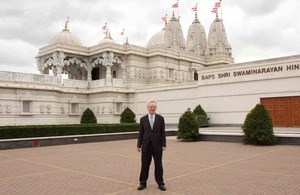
{"x": 107, "y": 39}
{"x": 65, "y": 37}
{"x": 157, "y": 39}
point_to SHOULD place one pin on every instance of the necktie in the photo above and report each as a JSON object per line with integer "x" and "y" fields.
{"x": 151, "y": 122}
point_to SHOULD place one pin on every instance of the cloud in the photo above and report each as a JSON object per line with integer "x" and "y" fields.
{"x": 17, "y": 56}
{"x": 255, "y": 35}
{"x": 255, "y": 29}
{"x": 254, "y": 8}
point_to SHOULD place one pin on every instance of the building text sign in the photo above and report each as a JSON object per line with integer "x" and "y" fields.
{"x": 254, "y": 71}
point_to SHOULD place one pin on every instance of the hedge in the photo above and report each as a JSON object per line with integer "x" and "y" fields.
{"x": 10, "y": 132}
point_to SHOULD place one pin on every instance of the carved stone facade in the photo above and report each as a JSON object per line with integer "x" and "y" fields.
{"x": 109, "y": 77}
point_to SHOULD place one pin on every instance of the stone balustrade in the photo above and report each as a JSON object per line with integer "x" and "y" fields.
{"x": 42, "y": 78}
{"x": 97, "y": 83}
{"x": 75, "y": 83}
{"x": 26, "y": 77}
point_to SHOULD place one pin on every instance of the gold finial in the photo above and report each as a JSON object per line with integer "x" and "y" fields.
{"x": 126, "y": 43}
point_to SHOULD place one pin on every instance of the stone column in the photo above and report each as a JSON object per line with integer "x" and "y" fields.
{"x": 108, "y": 63}
{"x": 89, "y": 69}
{"x": 58, "y": 62}
{"x": 108, "y": 80}
{"x": 59, "y": 74}
{"x": 123, "y": 66}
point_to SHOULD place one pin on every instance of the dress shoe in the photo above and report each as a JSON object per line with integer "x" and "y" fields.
{"x": 141, "y": 187}
{"x": 162, "y": 187}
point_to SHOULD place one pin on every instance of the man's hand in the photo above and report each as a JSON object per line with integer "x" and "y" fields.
{"x": 139, "y": 149}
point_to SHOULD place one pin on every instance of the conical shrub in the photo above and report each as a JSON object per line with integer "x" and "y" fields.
{"x": 199, "y": 110}
{"x": 201, "y": 116}
{"x": 188, "y": 128}
{"x": 88, "y": 116}
{"x": 258, "y": 128}
{"x": 127, "y": 116}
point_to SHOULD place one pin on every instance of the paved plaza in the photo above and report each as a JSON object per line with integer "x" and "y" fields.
{"x": 113, "y": 168}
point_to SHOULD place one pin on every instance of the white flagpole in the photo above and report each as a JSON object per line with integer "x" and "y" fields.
{"x": 123, "y": 36}
{"x": 178, "y": 10}
{"x": 221, "y": 10}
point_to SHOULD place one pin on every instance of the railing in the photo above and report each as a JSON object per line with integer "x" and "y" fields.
{"x": 75, "y": 83}
{"x": 118, "y": 82}
{"x": 97, "y": 83}
{"x": 101, "y": 83}
{"x": 42, "y": 78}
{"x": 26, "y": 77}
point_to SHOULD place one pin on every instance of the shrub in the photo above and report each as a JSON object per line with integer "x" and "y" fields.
{"x": 201, "y": 116}
{"x": 199, "y": 111}
{"x": 258, "y": 128}
{"x": 127, "y": 116}
{"x": 88, "y": 117}
{"x": 188, "y": 128}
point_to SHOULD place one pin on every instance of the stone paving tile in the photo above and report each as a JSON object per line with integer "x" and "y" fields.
{"x": 62, "y": 182}
{"x": 107, "y": 166}
{"x": 231, "y": 181}
{"x": 15, "y": 168}
{"x": 38, "y": 152}
{"x": 4, "y": 158}
{"x": 270, "y": 162}
{"x": 113, "y": 168}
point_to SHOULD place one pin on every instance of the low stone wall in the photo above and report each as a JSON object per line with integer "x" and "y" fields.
{"x": 74, "y": 139}
{"x": 221, "y": 138}
{"x": 284, "y": 140}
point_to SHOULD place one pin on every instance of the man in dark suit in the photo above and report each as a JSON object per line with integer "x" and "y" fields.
{"x": 152, "y": 143}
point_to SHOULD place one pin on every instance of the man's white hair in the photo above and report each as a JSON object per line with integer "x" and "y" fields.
{"x": 151, "y": 101}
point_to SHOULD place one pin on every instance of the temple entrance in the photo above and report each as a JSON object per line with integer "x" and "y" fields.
{"x": 285, "y": 111}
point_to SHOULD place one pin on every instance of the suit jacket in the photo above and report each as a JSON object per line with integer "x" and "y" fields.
{"x": 157, "y": 136}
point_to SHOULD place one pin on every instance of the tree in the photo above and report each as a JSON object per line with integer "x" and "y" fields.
{"x": 201, "y": 116}
{"x": 188, "y": 128}
{"x": 258, "y": 128}
{"x": 127, "y": 116}
{"x": 88, "y": 117}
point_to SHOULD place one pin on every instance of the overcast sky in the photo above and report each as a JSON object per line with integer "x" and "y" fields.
{"x": 256, "y": 29}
